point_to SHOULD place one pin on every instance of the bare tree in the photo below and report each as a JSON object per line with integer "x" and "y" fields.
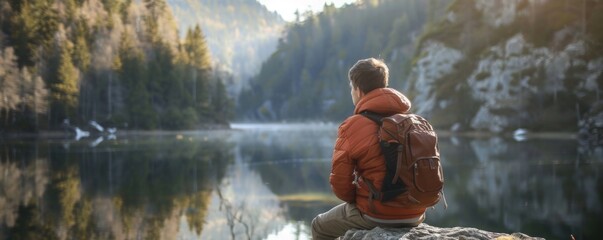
{"x": 9, "y": 79}
{"x": 33, "y": 94}
{"x": 40, "y": 95}
{"x": 234, "y": 215}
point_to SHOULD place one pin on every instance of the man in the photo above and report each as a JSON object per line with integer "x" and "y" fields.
{"x": 357, "y": 159}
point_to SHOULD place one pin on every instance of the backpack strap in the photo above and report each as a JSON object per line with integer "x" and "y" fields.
{"x": 375, "y": 117}
{"x": 374, "y": 194}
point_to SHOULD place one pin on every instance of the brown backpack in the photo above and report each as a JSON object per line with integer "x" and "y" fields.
{"x": 414, "y": 177}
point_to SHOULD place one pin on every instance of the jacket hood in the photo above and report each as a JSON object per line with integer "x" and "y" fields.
{"x": 384, "y": 101}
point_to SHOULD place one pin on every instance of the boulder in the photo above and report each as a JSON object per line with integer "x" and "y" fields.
{"x": 425, "y": 231}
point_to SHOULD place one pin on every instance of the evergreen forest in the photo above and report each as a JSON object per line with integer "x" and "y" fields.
{"x": 306, "y": 77}
{"x": 121, "y": 63}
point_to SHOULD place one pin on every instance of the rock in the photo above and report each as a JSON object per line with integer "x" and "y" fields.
{"x": 437, "y": 62}
{"x": 500, "y": 82}
{"x": 499, "y": 13}
{"x": 425, "y": 231}
{"x": 590, "y": 127}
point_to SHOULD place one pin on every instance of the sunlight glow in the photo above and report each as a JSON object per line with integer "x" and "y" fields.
{"x": 287, "y": 8}
{"x": 291, "y": 231}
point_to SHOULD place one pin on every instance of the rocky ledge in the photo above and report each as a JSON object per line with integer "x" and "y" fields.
{"x": 425, "y": 231}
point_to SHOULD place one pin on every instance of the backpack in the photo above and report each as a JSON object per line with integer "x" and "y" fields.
{"x": 414, "y": 177}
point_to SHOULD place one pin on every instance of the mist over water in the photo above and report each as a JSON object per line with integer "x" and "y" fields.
{"x": 269, "y": 181}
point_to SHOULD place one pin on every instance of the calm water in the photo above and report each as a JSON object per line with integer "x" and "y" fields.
{"x": 269, "y": 181}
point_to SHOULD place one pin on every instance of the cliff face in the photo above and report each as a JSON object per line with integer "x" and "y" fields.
{"x": 503, "y": 65}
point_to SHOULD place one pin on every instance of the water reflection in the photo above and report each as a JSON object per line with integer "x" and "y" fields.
{"x": 124, "y": 189}
{"x": 295, "y": 165}
{"x": 270, "y": 181}
{"x": 539, "y": 187}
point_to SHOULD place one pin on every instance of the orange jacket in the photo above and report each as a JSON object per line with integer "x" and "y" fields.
{"x": 357, "y": 150}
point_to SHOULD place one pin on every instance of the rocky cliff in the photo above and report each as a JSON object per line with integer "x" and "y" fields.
{"x": 503, "y": 65}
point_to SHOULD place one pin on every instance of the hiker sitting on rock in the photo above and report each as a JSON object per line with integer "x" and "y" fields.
{"x": 359, "y": 172}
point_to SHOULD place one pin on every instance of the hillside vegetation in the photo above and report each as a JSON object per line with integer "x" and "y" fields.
{"x": 118, "y": 62}
{"x": 306, "y": 77}
{"x": 240, "y": 34}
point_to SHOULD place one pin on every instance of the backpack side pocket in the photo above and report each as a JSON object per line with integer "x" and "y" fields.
{"x": 426, "y": 167}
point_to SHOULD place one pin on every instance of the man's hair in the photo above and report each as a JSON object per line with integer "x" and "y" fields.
{"x": 369, "y": 74}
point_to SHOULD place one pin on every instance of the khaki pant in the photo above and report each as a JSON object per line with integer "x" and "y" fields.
{"x": 343, "y": 217}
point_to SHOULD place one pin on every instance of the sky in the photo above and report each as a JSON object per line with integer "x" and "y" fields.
{"x": 286, "y": 8}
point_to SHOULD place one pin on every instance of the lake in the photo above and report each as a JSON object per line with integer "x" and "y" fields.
{"x": 267, "y": 181}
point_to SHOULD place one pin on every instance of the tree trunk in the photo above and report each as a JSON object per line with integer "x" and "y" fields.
{"x": 109, "y": 94}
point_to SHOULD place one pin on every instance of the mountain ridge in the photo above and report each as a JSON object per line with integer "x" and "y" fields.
{"x": 240, "y": 34}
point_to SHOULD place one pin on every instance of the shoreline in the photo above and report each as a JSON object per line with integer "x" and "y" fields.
{"x": 58, "y": 134}
{"x": 529, "y": 135}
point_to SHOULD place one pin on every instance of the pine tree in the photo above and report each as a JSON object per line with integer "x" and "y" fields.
{"x": 155, "y": 8}
{"x": 23, "y": 27}
{"x": 138, "y": 109}
{"x": 81, "y": 51}
{"x": 198, "y": 50}
{"x": 222, "y": 105}
{"x": 65, "y": 92}
{"x": 199, "y": 63}
{"x": 34, "y": 28}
